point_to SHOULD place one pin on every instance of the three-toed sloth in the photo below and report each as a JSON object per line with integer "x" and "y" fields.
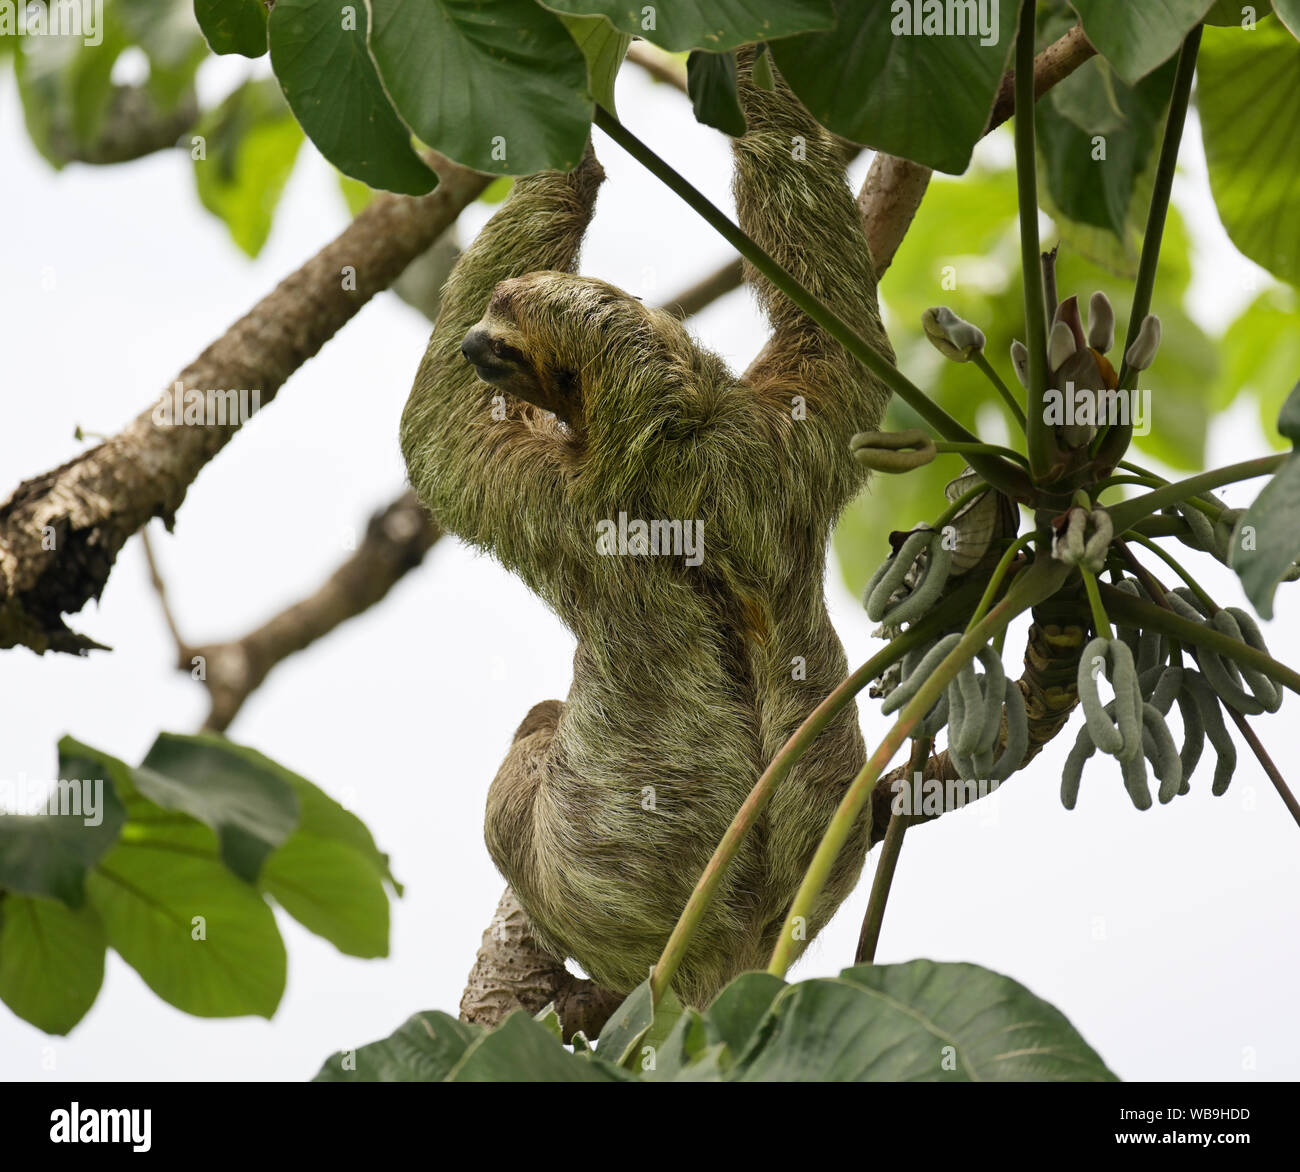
{"x": 549, "y": 406}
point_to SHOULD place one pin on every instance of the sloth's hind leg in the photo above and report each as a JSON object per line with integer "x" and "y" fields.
{"x": 509, "y": 827}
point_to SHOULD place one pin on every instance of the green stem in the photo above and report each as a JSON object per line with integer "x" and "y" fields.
{"x": 999, "y": 473}
{"x": 778, "y": 769}
{"x": 1126, "y": 513}
{"x": 1005, "y": 391}
{"x": 1114, "y": 441}
{"x": 887, "y": 864}
{"x": 1039, "y": 440}
{"x": 1031, "y": 587}
{"x": 1176, "y": 566}
{"x": 999, "y": 572}
{"x": 961, "y": 449}
{"x": 1100, "y": 620}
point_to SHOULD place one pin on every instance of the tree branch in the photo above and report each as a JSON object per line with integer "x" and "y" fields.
{"x": 396, "y": 540}
{"x": 511, "y": 971}
{"x": 61, "y": 531}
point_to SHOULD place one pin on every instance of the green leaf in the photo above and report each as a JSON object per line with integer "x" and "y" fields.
{"x": 735, "y": 1013}
{"x": 685, "y": 1054}
{"x": 424, "y": 1049}
{"x": 1228, "y": 13}
{"x": 51, "y": 961}
{"x": 705, "y": 24}
{"x": 203, "y": 940}
{"x": 250, "y": 806}
{"x": 1288, "y": 12}
{"x": 1261, "y": 354}
{"x": 627, "y": 1025}
{"x": 499, "y": 88}
{"x": 604, "y": 48}
{"x": 926, "y": 98}
{"x": 1266, "y": 542}
{"x": 50, "y": 854}
{"x": 332, "y": 87}
{"x": 1249, "y": 104}
{"x": 252, "y": 143}
{"x": 522, "y": 1050}
{"x": 917, "y": 1022}
{"x": 331, "y": 890}
{"x": 233, "y": 26}
{"x": 1094, "y": 105}
{"x": 711, "y": 83}
{"x": 1135, "y": 38}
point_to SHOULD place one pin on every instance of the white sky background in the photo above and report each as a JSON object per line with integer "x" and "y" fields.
{"x": 1169, "y": 938}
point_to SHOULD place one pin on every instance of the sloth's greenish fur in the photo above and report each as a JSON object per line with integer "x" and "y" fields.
{"x": 608, "y": 806}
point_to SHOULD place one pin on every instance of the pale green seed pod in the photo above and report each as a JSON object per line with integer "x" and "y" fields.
{"x": 1212, "y": 718}
{"x": 1160, "y": 750}
{"x": 965, "y": 711}
{"x": 1134, "y": 771}
{"x": 1193, "y": 737}
{"x": 1106, "y": 736}
{"x": 1128, "y": 699}
{"x": 1072, "y": 774}
{"x": 1264, "y": 689}
{"x": 1101, "y": 323}
{"x": 1200, "y": 525}
{"x": 1017, "y": 742}
{"x": 908, "y": 687}
{"x": 1142, "y": 353}
{"x": 954, "y": 338}
{"x": 889, "y": 577}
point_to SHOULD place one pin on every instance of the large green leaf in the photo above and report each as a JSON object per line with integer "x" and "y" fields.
{"x": 1136, "y": 37}
{"x": 711, "y": 82}
{"x": 322, "y": 64}
{"x": 917, "y": 1022}
{"x": 235, "y": 791}
{"x": 523, "y": 1050}
{"x": 1266, "y": 541}
{"x": 51, "y": 961}
{"x": 926, "y": 98}
{"x": 1249, "y": 102}
{"x": 1096, "y": 137}
{"x": 424, "y": 1049}
{"x": 501, "y": 88}
{"x": 234, "y": 26}
{"x": 706, "y": 24}
{"x": 734, "y": 1016}
{"x": 1288, "y": 12}
{"x": 252, "y": 142}
{"x": 203, "y": 940}
{"x": 604, "y": 48}
{"x": 49, "y": 854}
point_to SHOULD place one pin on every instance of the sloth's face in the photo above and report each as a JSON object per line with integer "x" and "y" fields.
{"x": 540, "y": 338}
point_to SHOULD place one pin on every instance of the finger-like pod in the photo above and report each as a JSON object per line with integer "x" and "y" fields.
{"x": 1122, "y": 736}
{"x": 1224, "y": 675}
{"x": 1211, "y": 715}
{"x": 980, "y": 765}
{"x": 907, "y": 688}
{"x": 890, "y": 577}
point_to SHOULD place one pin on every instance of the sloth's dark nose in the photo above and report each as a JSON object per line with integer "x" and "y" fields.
{"x": 477, "y": 347}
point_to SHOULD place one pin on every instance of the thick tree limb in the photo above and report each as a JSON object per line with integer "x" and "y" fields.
{"x": 134, "y": 126}
{"x": 60, "y": 532}
{"x": 512, "y": 972}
